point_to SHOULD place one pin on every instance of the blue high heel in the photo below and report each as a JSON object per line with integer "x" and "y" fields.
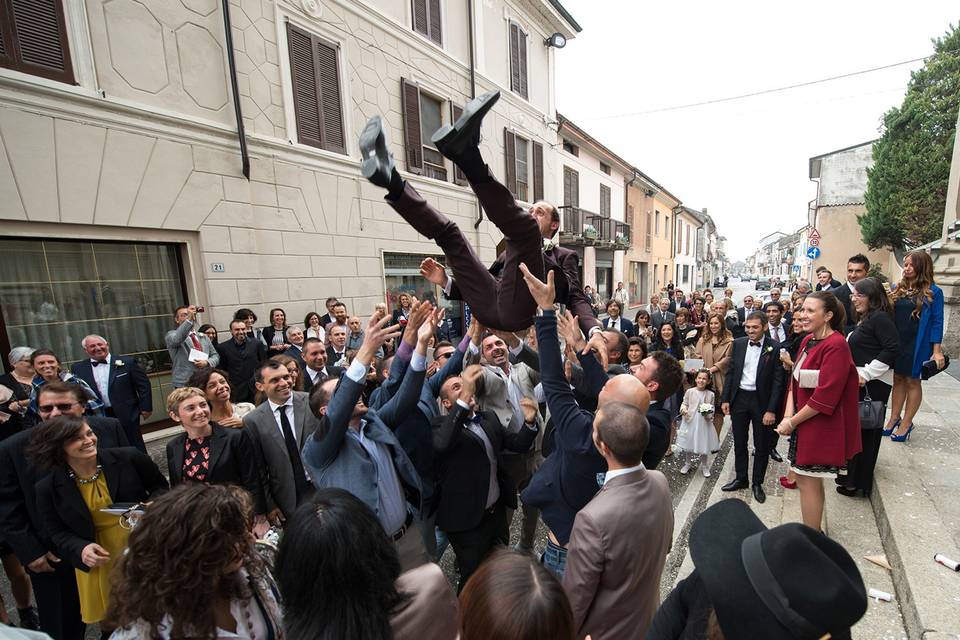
{"x": 904, "y": 437}
{"x": 887, "y": 432}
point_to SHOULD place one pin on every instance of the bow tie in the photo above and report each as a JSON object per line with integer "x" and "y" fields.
{"x": 755, "y": 344}
{"x": 97, "y": 362}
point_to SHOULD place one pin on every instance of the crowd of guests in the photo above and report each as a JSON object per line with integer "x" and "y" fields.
{"x": 372, "y": 446}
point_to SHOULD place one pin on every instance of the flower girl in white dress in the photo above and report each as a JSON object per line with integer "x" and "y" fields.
{"x": 697, "y": 436}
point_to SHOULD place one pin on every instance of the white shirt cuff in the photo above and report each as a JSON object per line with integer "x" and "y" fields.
{"x": 447, "y": 287}
{"x": 593, "y": 330}
{"x": 873, "y": 370}
{"x": 515, "y": 351}
{"x": 418, "y": 362}
{"x": 357, "y": 371}
{"x": 474, "y": 349}
{"x": 462, "y": 404}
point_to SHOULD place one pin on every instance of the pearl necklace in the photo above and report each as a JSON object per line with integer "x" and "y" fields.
{"x": 93, "y": 478}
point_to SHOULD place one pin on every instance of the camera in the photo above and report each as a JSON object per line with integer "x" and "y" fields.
{"x": 200, "y": 309}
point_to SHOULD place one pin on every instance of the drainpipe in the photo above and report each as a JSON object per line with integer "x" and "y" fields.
{"x": 231, "y": 61}
{"x": 473, "y": 71}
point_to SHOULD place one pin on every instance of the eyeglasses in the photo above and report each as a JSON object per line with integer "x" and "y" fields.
{"x": 443, "y": 355}
{"x": 63, "y": 406}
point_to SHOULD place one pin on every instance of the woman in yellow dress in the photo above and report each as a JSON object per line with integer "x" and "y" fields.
{"x": 71, "y": 499}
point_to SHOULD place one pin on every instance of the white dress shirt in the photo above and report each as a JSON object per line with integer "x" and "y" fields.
{"x": 287, "y": 409}
{"x": 615, "y": 323}
{"x": 493, "y": 490}
{"x": 101, "y": 374}
{"x": 751, "y": 362}
{"x": 620, "y": 472}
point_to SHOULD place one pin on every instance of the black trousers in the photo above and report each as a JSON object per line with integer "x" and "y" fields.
{"x": 473, "y": 545}
{"x": 58, "y": 603}
{"x": 744, "y": 412}
{"x": 860, "y": 468}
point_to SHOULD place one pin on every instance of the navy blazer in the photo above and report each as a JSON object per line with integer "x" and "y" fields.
{"x": 336, "y": 459}
{"x": 129, "y": 389}
{"x": 626, "y": 327}
{"x": 131, "y": 477}
{"x": 20, "y": 524}
{"x": 568, "y": 478}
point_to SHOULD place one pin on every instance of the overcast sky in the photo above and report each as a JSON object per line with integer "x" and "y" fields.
{"x": 746, "y": 160}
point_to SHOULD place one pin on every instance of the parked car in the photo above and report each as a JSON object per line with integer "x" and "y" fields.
{"x": 763, "y": 285}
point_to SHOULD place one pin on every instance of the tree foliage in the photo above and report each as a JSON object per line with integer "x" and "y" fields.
{"x": 907, "y": 185}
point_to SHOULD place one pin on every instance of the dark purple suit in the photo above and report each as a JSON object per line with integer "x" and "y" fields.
{"x": 498, "y": 296}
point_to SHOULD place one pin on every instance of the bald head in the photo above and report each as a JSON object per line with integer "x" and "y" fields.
{"x": 625, "y": 388}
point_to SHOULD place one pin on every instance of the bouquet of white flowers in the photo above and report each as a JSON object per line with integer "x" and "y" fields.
{"x": 705, "y": 408}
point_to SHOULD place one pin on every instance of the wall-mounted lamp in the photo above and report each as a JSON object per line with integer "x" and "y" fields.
{"x": 557, "y": 40}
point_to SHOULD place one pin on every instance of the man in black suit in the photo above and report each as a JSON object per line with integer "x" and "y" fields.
{"x": 825, "y": 280}
{"x": 497, "y": 296}
{"x": 745, "y": 310}
{"x": 857, "y": 268}
{"x": 678, "y": 301}
{"x": 119, "y": 383}
{"x": 752, "y": 395}
{"x": 239, "y": 357}
{"x": 315, "y": 359}
{"x": 474, "y": 492}
{"x": 662, "y": 375}
{"x": 21, "y": 527}
{"x": 337, "y": 351}
{"x": 327, "y": 318}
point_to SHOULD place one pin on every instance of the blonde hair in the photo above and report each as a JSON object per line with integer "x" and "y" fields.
{"x": 179, "y": 395}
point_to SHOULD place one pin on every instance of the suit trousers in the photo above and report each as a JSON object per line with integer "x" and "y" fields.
{"x": 744, "y": 412}
{"x": 473, "y": 545}
{"x": 410, "y": 549}
{"x": 519, "y": 468}
{"x": 58, "y": 602}
{"x": 499, "y": 303}
{"x": 132, "y": 431}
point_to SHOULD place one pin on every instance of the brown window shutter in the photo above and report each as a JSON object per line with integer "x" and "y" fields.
{"x": 306, "y": 101}
{"x": 522, "y": 57}
{"x": 537, "y": 171}
{"x": 331, "y": 111}
{"x": 605, "y": 200}
{"x": 420, "y": 23}
{"x": 571, "y": 187}
{"x": 515, "y": 57}
{"x": 435, "y": 29}
{"x": 34, "y": 34}
{"x": 459, "y": 177}
{"x": 510, "y": 160}
{"x": 411, "y": 125}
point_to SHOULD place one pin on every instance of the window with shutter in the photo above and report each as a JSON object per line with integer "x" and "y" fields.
{"x": 523, "y": 168}
{"x": 510, "y": 161}
{"x": 315, "y": 77}
{"x": 458, "y": 176}
{"x": 537, "y": 172}
{"x": 605, "y": 201}
{"x": 571, "y": 187}
{"x": 518, "y": 60}
{"x": 411, "y": 125}
{"x": 422, "y": 116}
{"x": 33, "y": 39}
{"x": 426, "y": 19}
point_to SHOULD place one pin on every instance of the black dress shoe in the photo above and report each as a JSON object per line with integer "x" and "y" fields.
{"x": 377, "y": 165}
{"x": 775, "y": 455}
{"x": 453, "y": 139}
{"x": 850, "y": 492}
{"x": 734, "y": 485}
{"x": 758, "y": 494}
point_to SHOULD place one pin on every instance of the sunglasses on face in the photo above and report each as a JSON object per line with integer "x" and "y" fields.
{"x": 65, "y": 406}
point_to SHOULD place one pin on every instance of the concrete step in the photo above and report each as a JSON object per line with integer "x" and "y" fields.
{"x": 848, "y": 521}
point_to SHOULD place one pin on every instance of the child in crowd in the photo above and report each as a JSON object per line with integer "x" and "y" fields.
{"x": 697, "y": 436}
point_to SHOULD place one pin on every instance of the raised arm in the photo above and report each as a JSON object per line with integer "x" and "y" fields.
{"x": 418, "y": 315}
{"x": 577, "y": 299}
{"x": 405, "y": 401}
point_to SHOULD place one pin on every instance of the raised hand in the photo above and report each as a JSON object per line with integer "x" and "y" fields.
{"x": 530, "y": 410}
{"x": 468, "y": 380}
{"x": 377, "y": 333}
{"x": 543, "y": 293}
{"x": 569, "y": 330}
{"x": 434, "y": 272}
{"x": 598, "y": 344}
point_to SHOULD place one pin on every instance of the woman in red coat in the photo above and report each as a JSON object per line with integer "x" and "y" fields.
{"x": 822, "y": 416}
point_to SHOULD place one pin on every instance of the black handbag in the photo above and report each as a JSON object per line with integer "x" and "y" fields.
{"x": 929, "y": 368}
{"x": 872, "y": 413}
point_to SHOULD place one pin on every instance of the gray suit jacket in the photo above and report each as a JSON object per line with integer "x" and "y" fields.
{"x": 658, "y": 318}
{"x": 616, "y": 554}
{"x": 492, "y": 393}
{"x": 270, "y": 450}
{"x": 179, "y": 346}
{"x": 336, "y": 459}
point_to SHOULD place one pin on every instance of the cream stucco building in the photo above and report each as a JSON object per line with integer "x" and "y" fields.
{"x": 122, "y": 179}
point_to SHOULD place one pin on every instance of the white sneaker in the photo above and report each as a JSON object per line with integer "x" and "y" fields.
{"x": 706, "y": 470}
{"x": 685, "y": 469}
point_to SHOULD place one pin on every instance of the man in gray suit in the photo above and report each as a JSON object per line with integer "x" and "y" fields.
{"x": 182, "y": 341}
{"x": 662, "y": 315}
{"x": 278, "y": 429}
{"x": 355, "y": 448}
{"x": 612, "y": 580}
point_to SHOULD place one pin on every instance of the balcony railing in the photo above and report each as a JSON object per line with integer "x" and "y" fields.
{"x": 582, "y": 227}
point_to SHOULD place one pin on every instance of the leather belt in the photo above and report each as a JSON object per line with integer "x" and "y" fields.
{"x": 402, "y": 530}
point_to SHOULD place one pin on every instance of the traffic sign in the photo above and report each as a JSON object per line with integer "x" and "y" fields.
{"x": 814, "y": 234}
{"x": 813, "y": 242}
{"x": 813, "y": 253}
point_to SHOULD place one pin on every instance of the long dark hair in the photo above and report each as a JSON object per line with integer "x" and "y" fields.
{"x": 830, "y": 303}
{"x": 675, "y": 345}
{"x": 176, "y": 556}
{"x": 877, "y": 298}
{"x": 337, "y": 570}
{"x": 512, "y": 596}
{"x": 921, "y": 287}
{"x": 48, "y": 439}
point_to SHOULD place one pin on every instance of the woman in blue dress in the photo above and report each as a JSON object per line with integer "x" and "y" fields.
{"x": 918, "y": 313}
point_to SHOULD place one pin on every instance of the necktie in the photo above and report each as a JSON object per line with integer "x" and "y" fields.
{"x": 754, "y": 344}
{"x": 196, "y": 341}
{"x": 299, "y": 476}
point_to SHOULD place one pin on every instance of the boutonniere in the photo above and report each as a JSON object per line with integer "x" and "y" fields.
{"x": 769, "y": 349}
{"x": 118, "y": 363}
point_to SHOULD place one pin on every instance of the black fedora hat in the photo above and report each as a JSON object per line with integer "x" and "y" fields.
{"x": 789, "y": 582}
